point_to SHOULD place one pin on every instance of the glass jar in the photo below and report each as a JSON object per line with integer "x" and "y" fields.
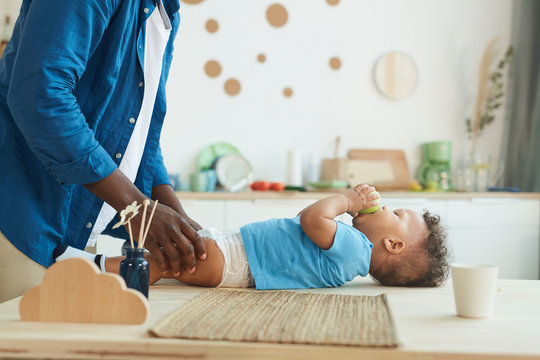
{"x": 134, "y": 270}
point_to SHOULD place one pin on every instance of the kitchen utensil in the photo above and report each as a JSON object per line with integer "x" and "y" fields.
{"x": 208, "y": 155}
{"x": 434, "y": 173}
{"x": 385, "y": 169}
{"x": 198, "y": 181}
{"x": 211, "y": 179}
{"x": 474, "y": 289}
{"x": 234, "y": 172}
{"x": 175, "y": 181}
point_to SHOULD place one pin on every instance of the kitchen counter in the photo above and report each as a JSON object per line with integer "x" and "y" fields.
{"x": 249, "y": 195}
{"x": 425, "y": 321}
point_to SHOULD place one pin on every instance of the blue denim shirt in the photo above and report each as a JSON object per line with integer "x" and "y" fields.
{"x": 71, "y": 78}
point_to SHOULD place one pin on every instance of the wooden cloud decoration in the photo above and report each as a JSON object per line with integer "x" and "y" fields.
{"x": 74, "y": 290}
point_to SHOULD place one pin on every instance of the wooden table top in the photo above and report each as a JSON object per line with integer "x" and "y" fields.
{"x": 425, "y": 319}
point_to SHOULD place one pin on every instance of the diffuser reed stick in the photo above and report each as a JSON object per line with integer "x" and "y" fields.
{"x": 149, "y": 222}
{"x": 130, "y": 233}
{"x": 141, "y": 231}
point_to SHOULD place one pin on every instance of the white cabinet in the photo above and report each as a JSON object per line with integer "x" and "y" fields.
{"x": 436, "y": 207}
{"x": 504, "y": 232}
{"x": 242, "y": 212}
{"x": 208, "y": 213}
{"x": 501, "y": 231}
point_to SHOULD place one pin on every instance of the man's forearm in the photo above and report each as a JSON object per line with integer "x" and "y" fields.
{"x": 116, "y": 190}
{"x": 166, "y": 195}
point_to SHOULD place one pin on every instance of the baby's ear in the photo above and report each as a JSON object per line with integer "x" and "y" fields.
{"x": 394, "y": 245}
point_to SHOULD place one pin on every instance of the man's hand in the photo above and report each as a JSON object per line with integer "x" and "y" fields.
{"x": 172, "y": 241}
{"x": 361, "y": 197}
{"x": 172, "y": 237}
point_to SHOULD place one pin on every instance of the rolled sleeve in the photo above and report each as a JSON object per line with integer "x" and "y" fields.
{"x": 90, "y": 168}
{"x": 58, "y": 39}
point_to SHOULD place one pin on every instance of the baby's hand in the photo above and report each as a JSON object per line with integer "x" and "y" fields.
{"x": 361, "y": 197}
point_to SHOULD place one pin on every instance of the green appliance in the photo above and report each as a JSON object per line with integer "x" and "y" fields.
{"x": 434, "y": 172}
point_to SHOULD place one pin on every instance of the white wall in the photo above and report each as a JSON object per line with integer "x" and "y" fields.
{"x": 11, "y": 8}
{"x": 446, "y": 38}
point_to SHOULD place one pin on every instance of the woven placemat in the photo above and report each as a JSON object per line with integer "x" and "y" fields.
{"x": 283, "y": 317}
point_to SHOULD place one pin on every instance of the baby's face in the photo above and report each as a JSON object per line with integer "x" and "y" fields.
{"x": 403, "y": 223}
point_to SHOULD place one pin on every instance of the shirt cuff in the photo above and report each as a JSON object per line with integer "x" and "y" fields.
{"x": 161, "y": 177}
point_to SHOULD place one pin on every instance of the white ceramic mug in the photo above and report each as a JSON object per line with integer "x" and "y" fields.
{"x": 474, "y": 289}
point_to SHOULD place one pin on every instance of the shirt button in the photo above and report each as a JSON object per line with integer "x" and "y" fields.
{"x": 118, "y": 155}
{"x": 146, "y": 10}
{"x": 141, "y": 84}
{"x": 89, "y": 225}
{"x": 131, "y": 121}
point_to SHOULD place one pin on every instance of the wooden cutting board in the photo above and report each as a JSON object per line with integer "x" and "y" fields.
{"x": 385, "y": 169}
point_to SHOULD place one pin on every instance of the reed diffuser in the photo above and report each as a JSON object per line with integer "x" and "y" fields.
{"x": 134, "y": 268}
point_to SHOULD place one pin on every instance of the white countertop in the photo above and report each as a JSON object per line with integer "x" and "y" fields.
{"x": 247, "y": 195}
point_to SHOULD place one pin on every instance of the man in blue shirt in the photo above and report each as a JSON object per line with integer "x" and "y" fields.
{"x": 82, "y": 102}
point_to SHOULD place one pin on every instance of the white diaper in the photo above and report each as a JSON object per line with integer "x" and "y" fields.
{"x": 236, "y": 272}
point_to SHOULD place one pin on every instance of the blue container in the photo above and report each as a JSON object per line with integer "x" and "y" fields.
{"x": 134, "y": 270}
{"x": 211, "y": 179}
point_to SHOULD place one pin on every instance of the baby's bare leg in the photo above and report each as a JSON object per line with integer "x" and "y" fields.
{"x": 209, "y": 271}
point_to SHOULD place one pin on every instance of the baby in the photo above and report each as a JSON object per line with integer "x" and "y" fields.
{"x": 397, "y": 248}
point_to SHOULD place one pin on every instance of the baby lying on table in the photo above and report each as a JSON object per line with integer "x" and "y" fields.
{"x": 397, "y": 248}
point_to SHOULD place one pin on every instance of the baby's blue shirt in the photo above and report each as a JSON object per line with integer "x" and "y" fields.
{"x": 282, "y": 256}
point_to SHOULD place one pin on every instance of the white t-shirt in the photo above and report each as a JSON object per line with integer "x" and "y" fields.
{"x": 158, "y": 29}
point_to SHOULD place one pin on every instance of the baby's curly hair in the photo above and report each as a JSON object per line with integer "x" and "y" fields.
{"x": 404, "y": 272}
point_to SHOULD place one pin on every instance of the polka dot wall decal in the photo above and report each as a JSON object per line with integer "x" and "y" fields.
{"x": 287, "y": 92}
{"x": 261, "y": 58}
{"x": 212, "y": 68}
{"x": 277, "y": 15}
{"x": 332, "y": 2}
{"x": 335, "y": 63}
{"x": 212, "y": 26}
{"x": 232, "y": 87}
{"x": 192, "y": 2}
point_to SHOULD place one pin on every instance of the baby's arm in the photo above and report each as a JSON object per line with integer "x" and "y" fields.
{"x": 317, "y": 220}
